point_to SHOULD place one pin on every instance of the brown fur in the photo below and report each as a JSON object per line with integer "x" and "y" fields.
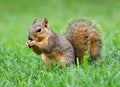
{"x": 81, "y": 36}
{"x": 84, "y": 36}
{"x": 53, "y": 47}
{"x": 53, "y": 57}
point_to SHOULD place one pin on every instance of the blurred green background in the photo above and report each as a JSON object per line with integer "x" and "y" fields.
{"x": 16, "y": 16}
{"x": 19, "y": 65}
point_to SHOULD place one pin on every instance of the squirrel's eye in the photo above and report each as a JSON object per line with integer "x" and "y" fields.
{"x": 39, "y": 30}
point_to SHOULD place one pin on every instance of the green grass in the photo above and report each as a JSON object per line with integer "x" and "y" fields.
{"x": 20, "y": 67}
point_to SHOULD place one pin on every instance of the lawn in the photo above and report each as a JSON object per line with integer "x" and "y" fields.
{"x": 20, "y": 67}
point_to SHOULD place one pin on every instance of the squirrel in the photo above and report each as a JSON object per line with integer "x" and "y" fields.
{"x": 81, "y": 35}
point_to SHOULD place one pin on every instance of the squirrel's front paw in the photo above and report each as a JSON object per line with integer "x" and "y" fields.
{"x": 30, "y": 44}
{"x": 27, "y": 45}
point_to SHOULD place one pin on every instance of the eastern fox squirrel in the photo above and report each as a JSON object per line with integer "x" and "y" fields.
{"x": 81, "y": 35}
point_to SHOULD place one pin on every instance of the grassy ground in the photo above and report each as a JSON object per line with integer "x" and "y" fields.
{"x": 20, "y": 67}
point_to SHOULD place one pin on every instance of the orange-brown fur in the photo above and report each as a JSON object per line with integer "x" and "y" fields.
{"x": 53, "y": 57}
{"x": 47, "y": 43}
{"x": 47, "y": 58}
{"x": 81, "y": 36}
{"x": 84, "y": 36}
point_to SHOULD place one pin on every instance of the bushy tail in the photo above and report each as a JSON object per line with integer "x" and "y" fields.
{"x": 84, "y": 35}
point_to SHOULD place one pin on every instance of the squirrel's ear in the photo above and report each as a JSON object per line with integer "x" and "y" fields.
{"x": 45, "y": 22}
{"x": 35, "y": 20}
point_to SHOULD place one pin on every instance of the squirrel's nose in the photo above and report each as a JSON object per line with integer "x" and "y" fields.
{"x": 29, "y": 38}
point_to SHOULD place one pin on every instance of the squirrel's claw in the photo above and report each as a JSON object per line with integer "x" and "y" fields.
{"x": 29, "y": 44}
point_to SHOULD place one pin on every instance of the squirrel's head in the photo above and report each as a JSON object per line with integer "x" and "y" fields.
{"x": 39, "y": 30}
